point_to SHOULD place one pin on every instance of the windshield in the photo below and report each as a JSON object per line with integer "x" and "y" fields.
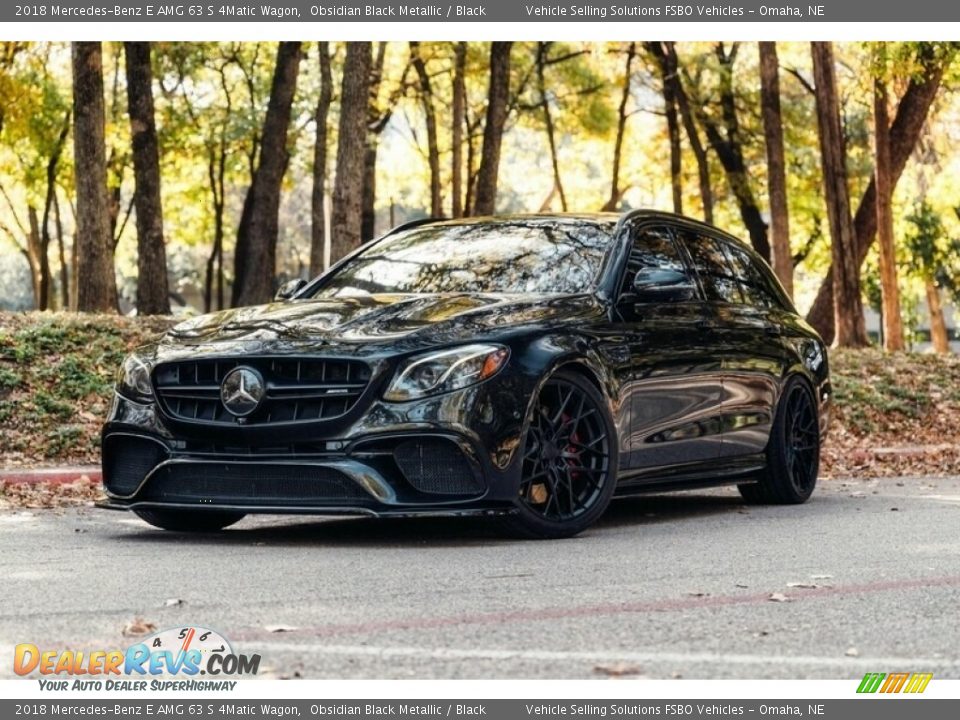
{"x": 549, "y": 256}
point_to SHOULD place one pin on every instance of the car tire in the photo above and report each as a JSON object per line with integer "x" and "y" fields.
{"x": 569, "y": 463}
{"x": 189, "y": 520}
{"x": 793, "y": 452}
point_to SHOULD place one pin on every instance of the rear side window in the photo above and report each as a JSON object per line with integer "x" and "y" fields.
{"x": 717, "y": 275}
{"x": 653, "y": 248}
{"x": 754, "y": 285}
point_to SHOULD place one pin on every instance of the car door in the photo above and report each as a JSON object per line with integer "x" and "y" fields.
{"x": 675, "y": 386}
{"x": 748, "y": 340}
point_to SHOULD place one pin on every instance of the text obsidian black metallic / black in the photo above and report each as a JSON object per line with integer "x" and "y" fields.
{"x": 529, "y": 367}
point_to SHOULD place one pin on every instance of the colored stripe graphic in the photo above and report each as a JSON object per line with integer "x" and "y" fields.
{"x": 895, "y": 682}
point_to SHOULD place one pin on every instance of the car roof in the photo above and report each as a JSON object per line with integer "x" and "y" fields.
{"x": 607, "y": 219}
{"x": 599, "y": 218}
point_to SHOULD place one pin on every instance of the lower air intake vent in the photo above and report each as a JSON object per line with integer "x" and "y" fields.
{"x": 253, "y": 484}
{"x": 127, "y": 460}
{"x": 436, "y": 466}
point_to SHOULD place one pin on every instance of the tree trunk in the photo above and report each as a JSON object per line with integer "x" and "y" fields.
{"x": 94, "y": 247}
{"x": 542, "y": 50}
{"x": 376, "y": 122}
{"x": 62, "y": 256}
{"x": 318, "y": 236}
{"x": 368, "y": 215}
{"x": 776, "y": 166}
{"x": 668, "y": 90}
{"x": 848, "y": 304}
{"x": 152, "y": 290}
{"x": 498, "y": 95}
{"x": 904, "y": 132}
{"x": 351, "y": 151}
{"x": 256, "y": 254}
{"x": 938, "y": 327}
{"x": 49, "y": 204}
{"x": 672, "y": 74}
{"x": 430, "y": 116}
{"x": 39, "y": 263}
{"x": 459, "y": 121}
{"x": 615, "y": 192}
{"x": 216, "y": 172}
{"x": 892, "y": 326}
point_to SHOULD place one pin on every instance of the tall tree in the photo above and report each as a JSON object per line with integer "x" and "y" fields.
{"x": 318, "y": 238}
{"x": 904, "y": 132}
{"x": 670, "y": 108}
{"x": 776, "y": 166}
{"x": 256, "y": 253}
{"x": 430, "y": 116}
{"x": 725, "y": 137}
{"x": 459, "y": 119}
{"x": 933, "y": 257}
{"x": 95, "y": 279}
{"x": 616, "y": 191}
{"x": 666, "y": 54}
{"x": 890, "y": 292}
{"x": 379, "y": 111}
{"x": 351, "y": 150}
{"x": 152, "y": 290}
{"x": 848, "y": 303}
{"x": 497, "y": 97}
{"x": 543, "y": 97}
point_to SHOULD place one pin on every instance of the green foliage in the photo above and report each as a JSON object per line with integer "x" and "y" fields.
{"x": 933, "y": 255}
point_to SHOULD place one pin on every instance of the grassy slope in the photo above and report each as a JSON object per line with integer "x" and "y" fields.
{"x": 893, "y": 415}
{"x": 56, "y": 382}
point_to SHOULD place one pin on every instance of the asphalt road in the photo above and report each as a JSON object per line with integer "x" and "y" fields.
{"x": 686, "y": 585}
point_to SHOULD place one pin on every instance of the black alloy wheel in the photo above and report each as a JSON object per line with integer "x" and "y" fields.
{"x": 569, "y": 460}
{"x": 793, "y": 454}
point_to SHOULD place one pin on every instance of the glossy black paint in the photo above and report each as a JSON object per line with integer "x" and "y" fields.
{"x": 692, "y": 385}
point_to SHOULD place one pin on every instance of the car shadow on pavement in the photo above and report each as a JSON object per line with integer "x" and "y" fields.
{"x": 273, "y": 530}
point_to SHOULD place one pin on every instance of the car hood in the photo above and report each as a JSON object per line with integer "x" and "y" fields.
{"x": 373, "y": 323}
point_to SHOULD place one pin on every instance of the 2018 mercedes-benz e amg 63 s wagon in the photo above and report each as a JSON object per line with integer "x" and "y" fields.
{"x": 529, "y": 367}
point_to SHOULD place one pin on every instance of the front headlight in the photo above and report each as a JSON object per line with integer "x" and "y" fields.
{"x": 133, "y": 380}
{"x": 447, "y": 370}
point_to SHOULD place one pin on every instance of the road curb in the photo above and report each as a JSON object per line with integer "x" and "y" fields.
{"x": 50, "y": 476}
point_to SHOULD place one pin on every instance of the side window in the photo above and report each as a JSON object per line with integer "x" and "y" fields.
{"x": 719, "y": 279}
{"x": 753, "y": 284}
{"x": 653, "y": 249}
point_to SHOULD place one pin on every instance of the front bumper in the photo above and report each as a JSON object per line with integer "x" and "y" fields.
{"x": 447, "y": 455}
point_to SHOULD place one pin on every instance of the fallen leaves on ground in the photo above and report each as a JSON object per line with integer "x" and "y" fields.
{"x": 41, "y": 495}
{"x": 138, "y": 626}
{"x": 618, "y": 670}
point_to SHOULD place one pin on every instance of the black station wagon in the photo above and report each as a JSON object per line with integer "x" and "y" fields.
{"x": 526, "y": 367}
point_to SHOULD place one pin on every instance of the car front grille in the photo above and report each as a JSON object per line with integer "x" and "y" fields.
{"x": 297, "y": 389}
{"x": 259, "y": 484}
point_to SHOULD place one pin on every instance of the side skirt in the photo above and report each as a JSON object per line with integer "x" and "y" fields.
{"x": 691, "y": 476}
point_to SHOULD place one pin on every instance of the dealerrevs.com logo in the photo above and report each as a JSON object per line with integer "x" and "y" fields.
{"x": 155, "y": 663}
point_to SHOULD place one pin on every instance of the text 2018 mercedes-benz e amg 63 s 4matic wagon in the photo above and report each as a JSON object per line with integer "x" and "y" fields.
{"x": 529, "y": 367}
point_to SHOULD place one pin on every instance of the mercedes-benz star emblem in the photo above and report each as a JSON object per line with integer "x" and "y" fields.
{"x": 241, "y": 391}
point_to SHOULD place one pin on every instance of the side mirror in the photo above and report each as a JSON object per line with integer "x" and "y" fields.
{"x": 289, "y": 289}
{"x": 661, "y": 285}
